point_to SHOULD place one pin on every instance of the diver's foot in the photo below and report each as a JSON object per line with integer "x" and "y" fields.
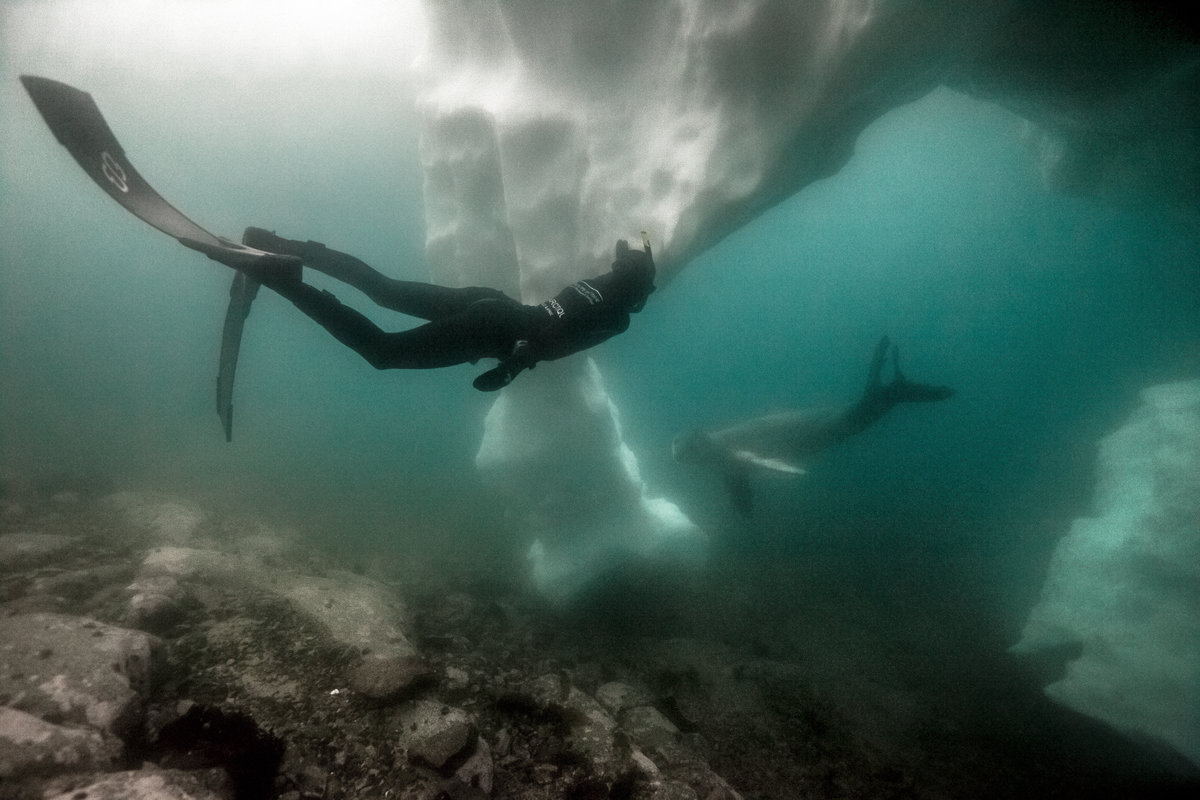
{"x": 273, "y": 267}
{"x": 257, "y": 264}
{"x": 263, "y": 239}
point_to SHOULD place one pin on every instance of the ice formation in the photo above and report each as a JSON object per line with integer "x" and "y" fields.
{"x": 552, "y": 129}
{"x": 1125, "y": 584}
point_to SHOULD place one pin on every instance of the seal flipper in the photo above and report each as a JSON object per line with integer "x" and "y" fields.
{"x": 767, "y": 463}
{"x": 908, "y": 392}
{"x": 902, "y": 390}
{"x": 877, "y": 361}
{"x": 737, "y": 483}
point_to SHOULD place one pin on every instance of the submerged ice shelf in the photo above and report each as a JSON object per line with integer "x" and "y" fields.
{"x": 550, "y": 131}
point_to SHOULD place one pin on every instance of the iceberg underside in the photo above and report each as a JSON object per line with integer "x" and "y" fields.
{"x": 552, "y": 129}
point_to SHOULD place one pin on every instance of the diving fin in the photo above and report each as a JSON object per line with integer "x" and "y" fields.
{"x": 241, "y": 296}
{"x": 76, "y": 121}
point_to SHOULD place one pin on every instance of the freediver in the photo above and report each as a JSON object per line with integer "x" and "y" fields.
{"x": 464, "y": 324}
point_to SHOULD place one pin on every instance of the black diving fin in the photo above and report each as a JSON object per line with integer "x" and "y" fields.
{"x": 241, "y": 295}
{"x": 77, "y": 124}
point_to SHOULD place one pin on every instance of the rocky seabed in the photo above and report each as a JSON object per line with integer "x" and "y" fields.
{"x": 149, "y": 649}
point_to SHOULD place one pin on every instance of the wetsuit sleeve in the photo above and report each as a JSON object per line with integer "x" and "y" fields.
{"x": 579, "y": 317}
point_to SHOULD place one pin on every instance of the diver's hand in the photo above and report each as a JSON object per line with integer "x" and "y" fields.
{"x": 503, "y": 373}
{"x": 494, "y": 379}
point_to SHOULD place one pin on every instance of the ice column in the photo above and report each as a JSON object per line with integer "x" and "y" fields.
{"x": 552, "y": 441}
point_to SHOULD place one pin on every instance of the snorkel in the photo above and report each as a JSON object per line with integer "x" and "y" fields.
{"x": 639, "y": 304}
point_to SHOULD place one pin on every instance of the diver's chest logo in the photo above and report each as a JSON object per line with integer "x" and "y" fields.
{"x": 114, "y": 172}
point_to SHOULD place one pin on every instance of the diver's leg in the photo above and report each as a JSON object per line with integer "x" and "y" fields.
{"x": 488, "y": 330}
{"x": 424, "y": 300}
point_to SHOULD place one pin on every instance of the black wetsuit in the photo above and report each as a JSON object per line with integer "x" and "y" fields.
{"x": 464, "y": 324}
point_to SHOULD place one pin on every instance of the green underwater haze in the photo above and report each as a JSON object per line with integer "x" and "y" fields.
{"x": 1046, "y": 313}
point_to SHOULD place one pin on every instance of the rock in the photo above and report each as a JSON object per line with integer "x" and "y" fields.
{"x": 673, "y": 790}
{"x": 356, "y": 612}
{"x": 643, "y": 764}
{"x": 25, "y": 548}
{"x": 455, "y": 679}
{"x": 156, "y": 603}
{"x": 544, "y": 773}
{"x": 478, "y": 770}
{"x": 592, "y": 732}
{"x": 616, "y": 697}
{"x": 166, "y": 519}
{"x": 30, "y": 746}
{"x": 77, "y": 586}
{"x": 156, "y": 784}
{"x": 591, "y": 728}
{"x": 545, "y": 693}
{"x": 389, "y": 678}
{"x": 75, "y": 670}
{"x": 647, "y": 726}
{"x": 434, "y": 734}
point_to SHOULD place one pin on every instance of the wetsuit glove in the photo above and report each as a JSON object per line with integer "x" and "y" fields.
{"x": 503, "y": 373}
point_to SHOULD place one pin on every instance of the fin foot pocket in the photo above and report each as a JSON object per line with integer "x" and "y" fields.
{"x": 269, "y": 241}
{"x": 258, "y": 264}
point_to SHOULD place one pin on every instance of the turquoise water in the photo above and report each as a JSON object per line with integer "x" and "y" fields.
{"x": 1046, "y": 313}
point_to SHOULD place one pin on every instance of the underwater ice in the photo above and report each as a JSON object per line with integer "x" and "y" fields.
{"x": 1125, "y": 584}
{"x": 552, "y": 129}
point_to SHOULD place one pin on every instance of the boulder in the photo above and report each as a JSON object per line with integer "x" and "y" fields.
{"x": 75, "y": 670}
{"x": 435, "y": 734}
{"x": 153, "y": 784}
{"x": 30, "y": 746}
{"x": 26, "y": 548}
{"x": 389, "y": 678}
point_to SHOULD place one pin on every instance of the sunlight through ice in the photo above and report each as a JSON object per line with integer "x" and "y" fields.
{"x": 220, "y": 37}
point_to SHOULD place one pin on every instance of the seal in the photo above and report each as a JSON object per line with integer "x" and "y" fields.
{"x": 780, "y": 443}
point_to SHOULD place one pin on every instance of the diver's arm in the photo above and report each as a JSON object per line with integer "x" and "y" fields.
{"x": 563, "y": 337}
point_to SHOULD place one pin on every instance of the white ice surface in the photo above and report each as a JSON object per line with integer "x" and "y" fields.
{"x": 1126, "y": 583}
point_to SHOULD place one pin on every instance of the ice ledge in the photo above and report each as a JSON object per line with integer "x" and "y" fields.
{"x": 1126, "y": 584}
